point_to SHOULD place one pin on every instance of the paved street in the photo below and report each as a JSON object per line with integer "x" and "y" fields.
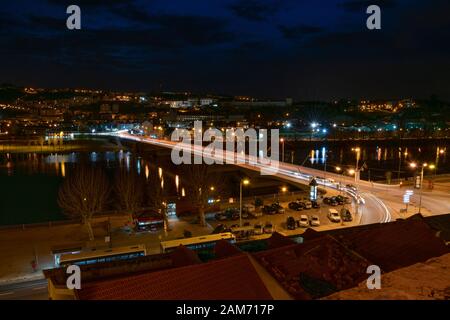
{"x": 29, "y": 290}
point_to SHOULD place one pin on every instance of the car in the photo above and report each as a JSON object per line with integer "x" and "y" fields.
{"x": 333, "y": 202}
{"x": 290, "y": 223}
{"x": 268, "y": 228}
{"x": 315, "y": 204}
{"x": 333, "y": 215}
{"x": 347, "y": 200}
{"x": 278, "y": 208}
{"x": 326, "y": 200}
{"x": 220, "y": 217}
{"x": 303, "y": 222}
{"x": 301, "y": 204}
{"x": 268, "y": 210}
{"x": 308, "y": 204}
{"x": 258, "y": 229}
{"x": 249, "y": 208}
{"x": 245, "y": 215}
{"x": 314, "y": 221}
{"x": 340, "y": 200}
{"x": 346, "y": 215}
{"x": 352, "y": 187}
{"x": 247, "y": 224}
{"x": 234, "y": 216}
{"x": 295, "y": 206}
{"x": 231, "y": 213}
{"x": 220, "y": 228}
{"x": 233, "y": 226}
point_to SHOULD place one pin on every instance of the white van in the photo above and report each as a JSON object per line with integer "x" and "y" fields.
{"x": 333, "y": 215}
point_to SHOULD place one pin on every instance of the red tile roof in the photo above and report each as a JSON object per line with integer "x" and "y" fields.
{"x": 224, "y": 249}
{"x": 225, "y": 279}
{"x": 182, "y": 256}
{"x": 277, "y": 240}
{"x": 315, "y": 268}
{"x": 394, "y": 245}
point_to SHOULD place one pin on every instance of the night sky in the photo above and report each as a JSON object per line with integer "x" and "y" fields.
{"x": 305, "y": 49}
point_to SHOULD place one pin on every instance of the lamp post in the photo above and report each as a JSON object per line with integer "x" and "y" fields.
{"x": 242, "y": 182}
{"x": 338, "y": 170}
{"x": 358, "y": 154}
{"x": 282, "y": 149}
{"x": 422, "y": 167}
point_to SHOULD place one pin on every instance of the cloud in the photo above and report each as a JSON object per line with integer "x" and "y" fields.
{"x": 298, "y": 31}
{"x": 93, "y": 3}
{"x": 254, "y": 10}
{"x": 361, "y": 5}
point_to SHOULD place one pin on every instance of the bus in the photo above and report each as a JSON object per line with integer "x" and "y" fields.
{"x": 197, "y": 243}
{"x": 102, "y": 255}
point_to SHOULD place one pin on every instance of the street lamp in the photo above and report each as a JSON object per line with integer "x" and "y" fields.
{"x": 282, "y": 148}
{"x": 358, "y": 154}
{"x": 242, "y": 182}
{"x": 414, "y": 165}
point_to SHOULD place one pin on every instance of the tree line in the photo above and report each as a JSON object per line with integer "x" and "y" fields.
{"x": 89, "y": 190}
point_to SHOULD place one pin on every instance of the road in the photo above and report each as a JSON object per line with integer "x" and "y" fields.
{"x": 30, "y": 290}
{"x": 379, "y": 202}
{"x": 373, "y": 208}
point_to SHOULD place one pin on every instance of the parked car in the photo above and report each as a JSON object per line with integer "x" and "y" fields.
{"x": 326, "y": 200}
{"x": 220, "y": 217}
{"x": 258, "y": 229}
{"x": 346, "y": 215}
{"x": 220, "y": 228}
{"x": 278, "y": 208}
{"x": 333, "y": 215}
{"x": 303, "y": 222}
{"x": 308, "y": 204}
{"x": 231, "y": 213}
{"x": 333, "y": 202}
{"x": 314, "y": 221}
{"x": 249, "y": 208}
{"x": 315, "y": 204}
{"x": 268, "y": 210}
{"x": 268, "y": 228}
{"x": 290, "y": 223}
{"x": 340, "y": 200}
{"x": 245, "y": 215}
{"x": 295, "y": 206}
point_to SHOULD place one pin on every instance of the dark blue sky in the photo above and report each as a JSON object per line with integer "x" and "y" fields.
{"x": 306, "y": 49}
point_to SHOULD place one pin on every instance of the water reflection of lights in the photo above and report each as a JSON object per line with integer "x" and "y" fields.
{"x": 177, "y": 182}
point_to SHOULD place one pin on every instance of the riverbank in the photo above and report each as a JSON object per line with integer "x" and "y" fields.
{"x": 76, "y": 147}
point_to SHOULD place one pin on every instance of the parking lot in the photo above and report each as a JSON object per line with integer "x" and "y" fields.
{"x": 279, "y": 220}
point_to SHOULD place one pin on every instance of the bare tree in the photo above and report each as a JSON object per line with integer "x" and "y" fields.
{"x": 201, "y": 185}
{"x": 128, "y": 188}
{"x": 84, "y": 193}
